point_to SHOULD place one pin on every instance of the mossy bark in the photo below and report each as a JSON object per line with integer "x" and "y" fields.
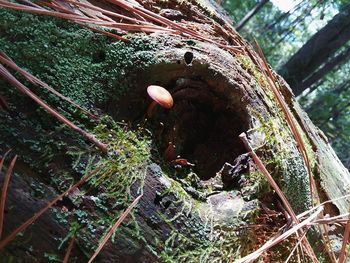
{"x": 186, "y": 214}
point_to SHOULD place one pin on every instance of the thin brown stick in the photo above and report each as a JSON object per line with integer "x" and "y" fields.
{"x": 13, "y": 81}
{"x": 300, "y": 143}
{"x": 335, "y": 219}
{"x": 114, "y": 228}
{"x": 4, "y": 192}
{"x": 272, "y": 182}
{"x": 69, "y": 250}
{"x": 342, "y": 254}
{"x": 27, "y": 223}
{"x": 279, "y": 192}
{"x": 327, "y": 241}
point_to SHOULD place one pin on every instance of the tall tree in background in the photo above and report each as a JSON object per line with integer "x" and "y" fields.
{"x": 250, "y": 14}
{"x": 315, "y": 52}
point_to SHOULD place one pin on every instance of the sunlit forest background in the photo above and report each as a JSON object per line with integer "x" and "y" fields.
{"x": 287, "y": 28}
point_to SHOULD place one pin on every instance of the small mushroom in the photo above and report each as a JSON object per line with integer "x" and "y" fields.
{"x": 160, "y": 96}
{"x": 170, "y": 153}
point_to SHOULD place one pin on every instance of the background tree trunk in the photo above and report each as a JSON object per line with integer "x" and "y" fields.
{"x": 250, "y": 14}
{"x": 186, "y": 214}
{"x": 316, "y": 51}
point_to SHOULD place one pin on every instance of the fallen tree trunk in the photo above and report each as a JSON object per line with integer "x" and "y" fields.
{"x": 207, "y": 212}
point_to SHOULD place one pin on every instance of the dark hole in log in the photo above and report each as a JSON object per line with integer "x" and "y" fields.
{"x": 204, "y": 124}
{"x": 188, "y": 57}
{"x": 202, "y": 127}
{"x": 99, "y": 56}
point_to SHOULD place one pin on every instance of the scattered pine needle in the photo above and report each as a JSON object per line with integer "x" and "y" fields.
{"x": 89, "y": 14}
{"x": 296, "y": 246}
{"x": 27, "y": 223}
{"x": 69, "y": 250}
{"x": 279, "y": 192}
{"x": 114, "y": 228}
{"x": 275, "y": 240}
{"x": 4, "y": 191}
{"x": 13, "y": 81}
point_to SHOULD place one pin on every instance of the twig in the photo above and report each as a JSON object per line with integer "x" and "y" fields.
{"x": 27, "y": 223}
{"x": 4, "y": 191}
{"x": 69, "y": 250}
{"x": 342, "y": 254}
{"x": 114, "y": 228}
{"x": 13, "y": 81}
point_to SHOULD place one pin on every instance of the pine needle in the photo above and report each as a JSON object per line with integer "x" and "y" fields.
{"x": 4, "y": 191}
{"x": 88, "y": 15}
{"x": 342, "y": 254}
{"x": 274, "y": 241}
{"x": 69, "y": 250}
{"x": 296, "y": 246}
{"x": 114, "y": 228}
{"x": 284, "y": 107}
{"x": 3, "y": 159}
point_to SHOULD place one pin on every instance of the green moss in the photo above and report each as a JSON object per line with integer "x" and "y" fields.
{"x": 90, "y": 69}
{"x": 84, "y": 66}
{"x": 284, "y": 161}
{"x": 87, "y": 67}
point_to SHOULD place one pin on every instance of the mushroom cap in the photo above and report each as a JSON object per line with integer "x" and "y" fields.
{"x": 161, "y": 96}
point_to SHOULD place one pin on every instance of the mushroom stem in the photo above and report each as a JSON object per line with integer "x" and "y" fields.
{"x": 150, "y": 109}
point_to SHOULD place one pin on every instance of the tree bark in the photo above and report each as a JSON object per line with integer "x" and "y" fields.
{"x": 205, "y": 212}
{"x": 316, "y": 50}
